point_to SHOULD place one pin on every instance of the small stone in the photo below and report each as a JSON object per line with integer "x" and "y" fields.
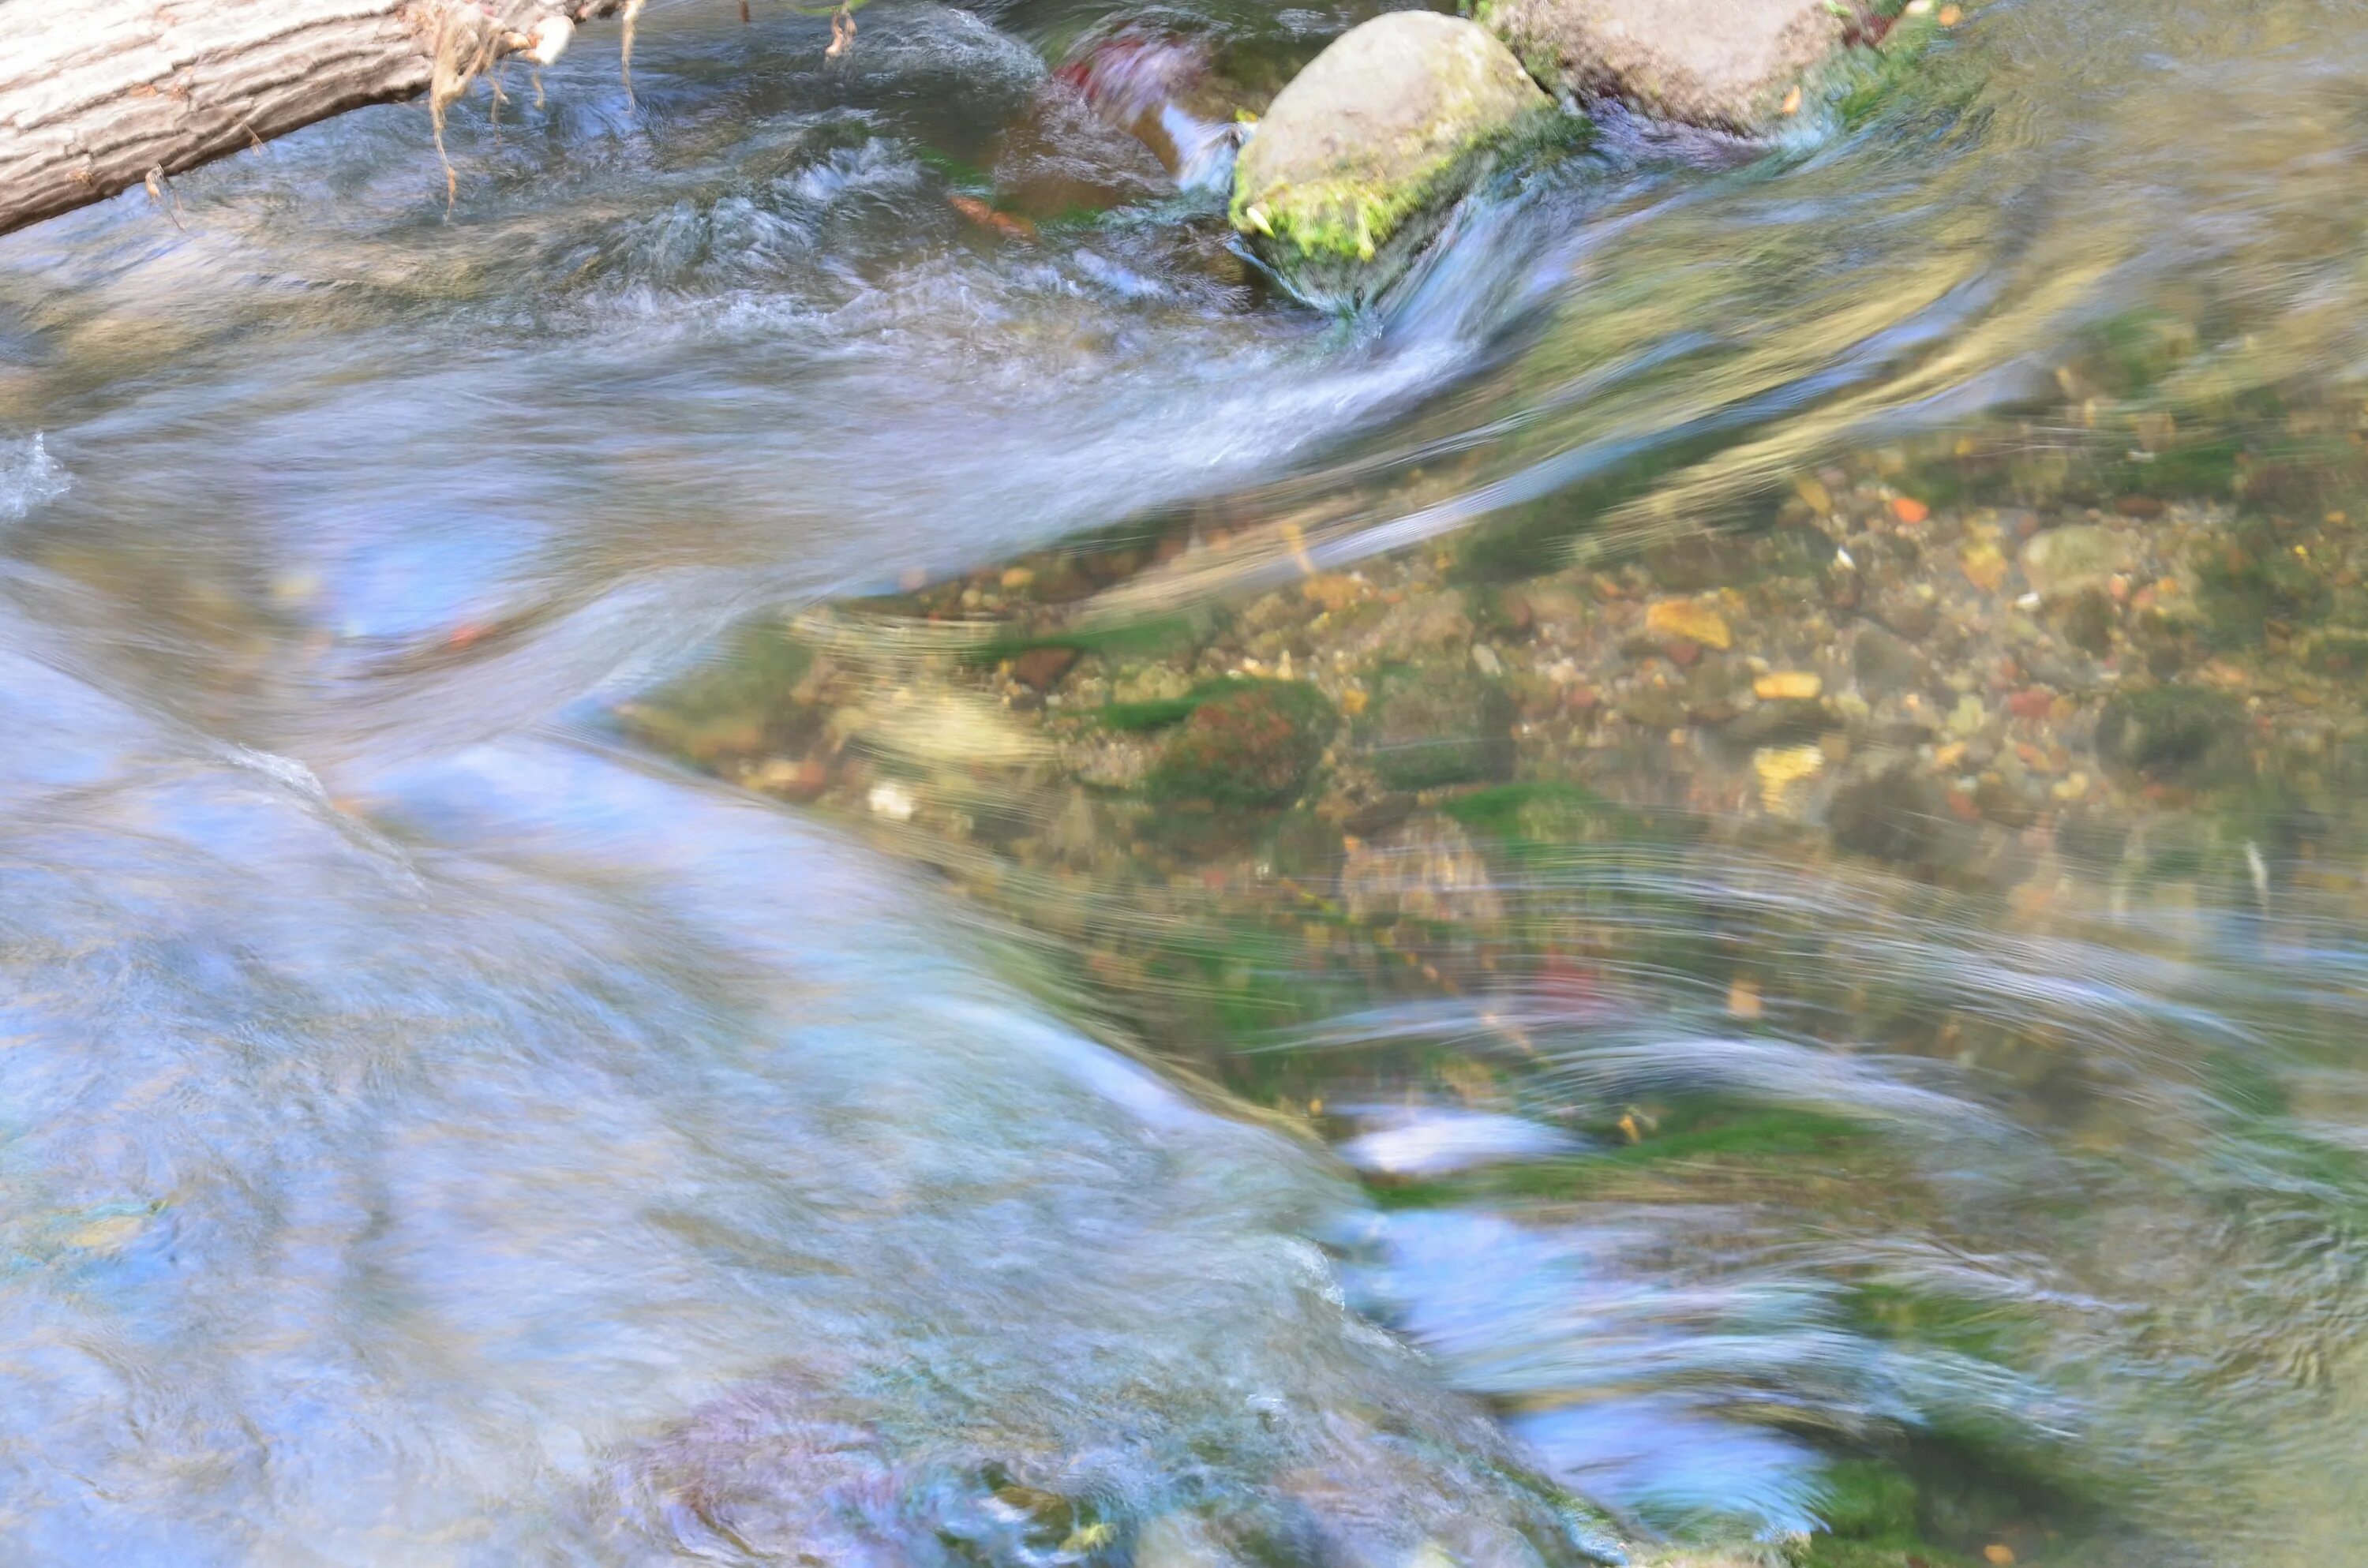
{"x": 2003, "y": 803}
{"x": 1984, "y": 565}
{"x": 1896, "y": 816}
{"x": 1653, "y": 706}
{"x": 1884, "y": 663}
{"x": 2090, "y": 621}
{"x": 2065, "y": 562}
{"x": 1799, "y": 686}
{"x": 1783, "y": 722}
{"x": 1713, "y": 691}
{"x": 1485, "y": 659}
{"x": 1691, "y": 619}
{"x": 1042, "y": 668}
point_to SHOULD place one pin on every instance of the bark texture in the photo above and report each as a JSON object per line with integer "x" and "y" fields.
{"x": 98, "y": 96}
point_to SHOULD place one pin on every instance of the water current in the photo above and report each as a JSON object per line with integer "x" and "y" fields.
{"x": 602, "y": 958}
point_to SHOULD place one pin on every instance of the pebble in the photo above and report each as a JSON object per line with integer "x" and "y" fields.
{"x": 1691, "y": 619}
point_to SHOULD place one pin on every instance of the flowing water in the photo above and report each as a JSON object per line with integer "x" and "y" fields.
{"x": 571, "y": 996}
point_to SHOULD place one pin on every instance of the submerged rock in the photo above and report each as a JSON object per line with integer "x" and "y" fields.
{"x": 1429, "y": 869}
{"x": 1728, "y": 64}
{"x": 2181, "y": 735}
{"x": 1434, "y": 726}
{"x": 1896, "y": 816}
{"x": 1360, "y": 158}
{"x": 1253, "y": 748}
{"x": 2068, "y": 562}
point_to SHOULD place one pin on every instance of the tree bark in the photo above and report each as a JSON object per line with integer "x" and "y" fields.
{"x": 98, "y": 96}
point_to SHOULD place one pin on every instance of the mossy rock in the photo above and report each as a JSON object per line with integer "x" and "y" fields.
{"x": 1254, "y": 746}
{"x": 2183, "y": 734}
{"x": 1360, "y": 158}
{"x": 1433, "y": 726}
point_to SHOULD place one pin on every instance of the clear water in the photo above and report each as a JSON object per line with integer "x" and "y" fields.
{"x": 439, "y": 1127}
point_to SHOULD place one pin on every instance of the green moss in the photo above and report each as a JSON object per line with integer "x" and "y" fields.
{"x": 1349, "y": 219}
{"x": 1513, "y": 810}
{"x": 1861, "y": 1500}
{"x": 1749, "y": 1136}
{"x": 1904, "y": 71}
{"x": 1157, "y": 714}
{"x": 1161, "y": 712}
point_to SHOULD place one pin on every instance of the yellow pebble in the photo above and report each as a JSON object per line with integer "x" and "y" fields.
{"x": 1693, "y": 621}
{"x": 1780, "y": 767}
{"x": 1799, "y": 686}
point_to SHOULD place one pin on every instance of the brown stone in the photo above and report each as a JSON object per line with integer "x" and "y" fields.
{"x": 1042, "y": 668}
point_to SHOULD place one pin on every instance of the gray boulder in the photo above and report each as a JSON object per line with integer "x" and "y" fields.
{"x": 1360, "y": 158}
{"x": 1728, "y": 64}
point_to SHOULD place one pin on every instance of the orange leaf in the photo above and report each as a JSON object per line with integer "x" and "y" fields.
{"x": 1908, "y": 509}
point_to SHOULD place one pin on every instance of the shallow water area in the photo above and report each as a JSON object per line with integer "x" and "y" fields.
{"x": 808, "y": 838}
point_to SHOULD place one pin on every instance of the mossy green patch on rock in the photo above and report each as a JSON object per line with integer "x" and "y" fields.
{"x": 1384, "y": 129}
{"x": 1255, "y": 746}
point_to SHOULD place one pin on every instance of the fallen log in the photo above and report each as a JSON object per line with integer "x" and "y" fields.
{"x": 100, "y": 96}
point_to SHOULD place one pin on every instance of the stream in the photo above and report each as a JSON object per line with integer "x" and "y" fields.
{"x": 601, "y": 962}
